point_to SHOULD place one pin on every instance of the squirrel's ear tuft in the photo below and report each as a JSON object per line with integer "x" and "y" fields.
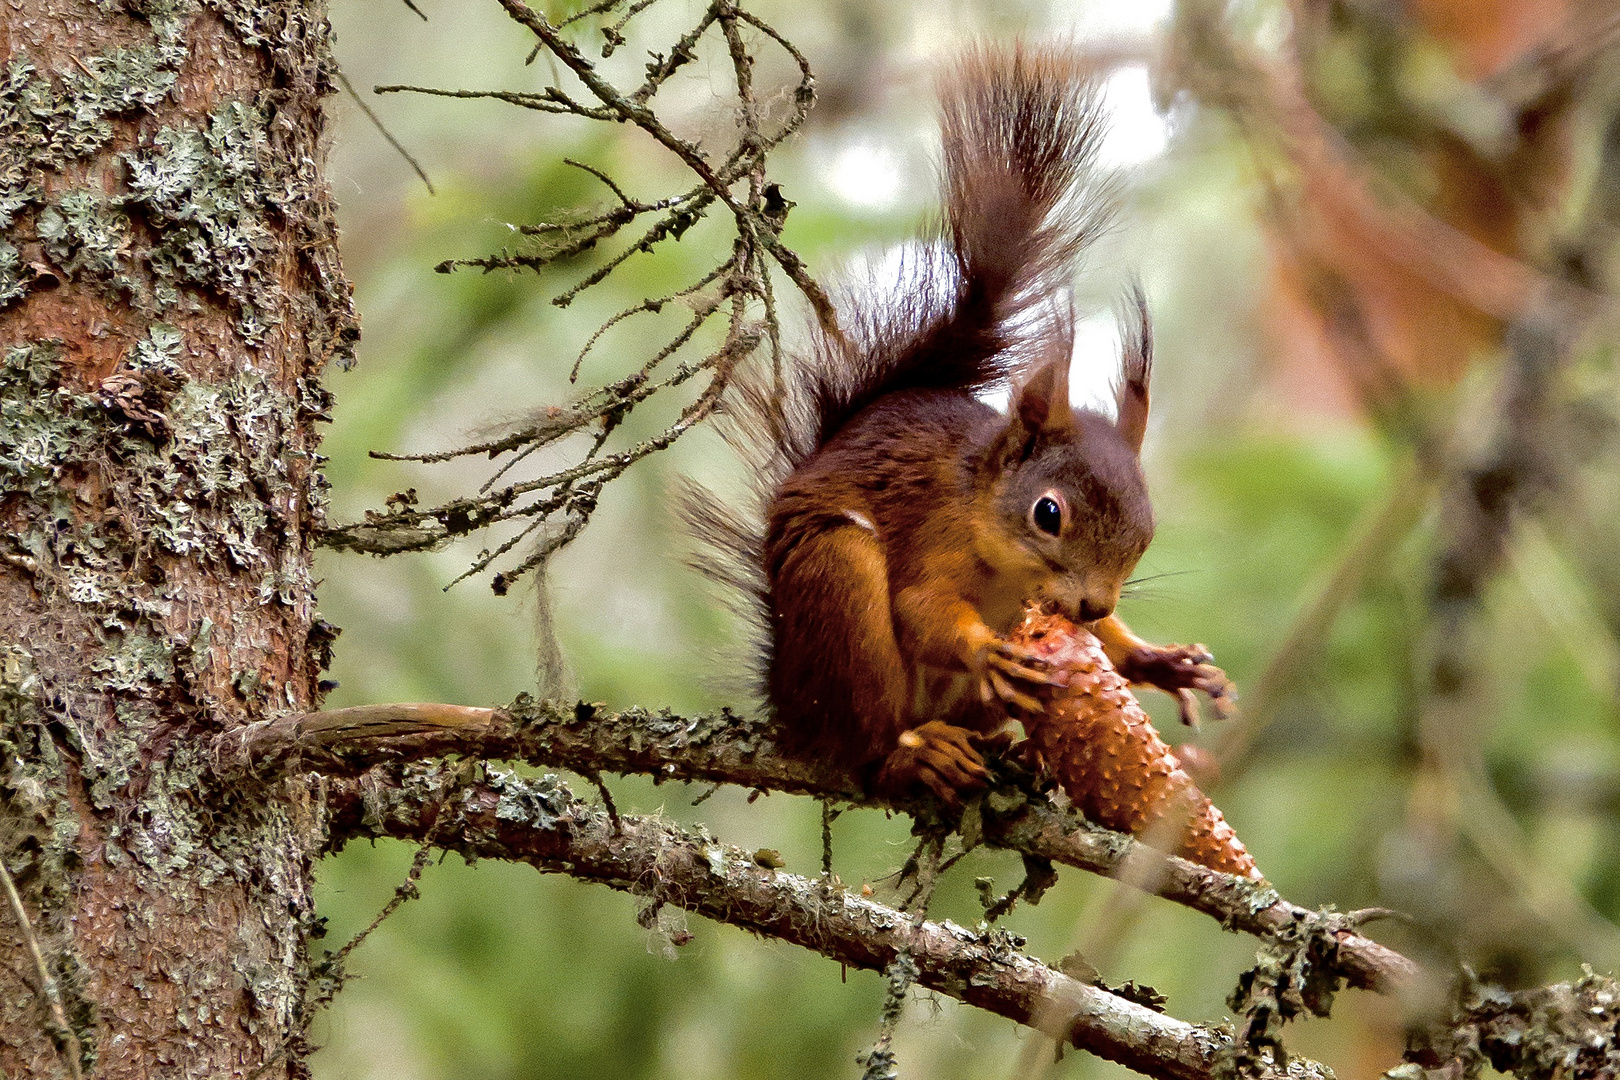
{"x": 1040, "y": 407}
{"x": 1132, "y": 393}
{"x": 1042, "y": 404}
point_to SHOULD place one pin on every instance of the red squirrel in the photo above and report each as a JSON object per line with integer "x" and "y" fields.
{"x": 907, "y": 522}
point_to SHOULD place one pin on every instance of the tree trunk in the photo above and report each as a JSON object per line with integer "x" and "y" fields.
{"x": 171, "y": 290}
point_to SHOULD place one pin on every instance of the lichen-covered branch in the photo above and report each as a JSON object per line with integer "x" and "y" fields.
{"x": 540, "y": 822}
{"x": 1568, "y": 1031}
{"x": 725, "y": 748}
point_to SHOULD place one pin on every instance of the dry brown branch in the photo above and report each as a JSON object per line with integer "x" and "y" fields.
{"x": 540, "y": 822}
{"x": 1401, "y": 290}
{"x": 728, "y": 749}
{"x": 1269, "y": 101}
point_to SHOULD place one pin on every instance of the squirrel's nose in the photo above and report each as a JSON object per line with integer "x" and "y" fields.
{"x": 1092, "y": 610}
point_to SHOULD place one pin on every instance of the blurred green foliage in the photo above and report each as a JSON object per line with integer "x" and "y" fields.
{"x": 498, "y": 973}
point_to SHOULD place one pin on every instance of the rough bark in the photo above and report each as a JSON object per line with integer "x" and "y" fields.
{"x": 169, "y": 290}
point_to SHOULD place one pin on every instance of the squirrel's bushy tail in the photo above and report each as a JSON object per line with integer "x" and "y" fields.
{"x": 1022, "y": 197}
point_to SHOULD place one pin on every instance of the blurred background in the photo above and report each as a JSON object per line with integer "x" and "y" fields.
{"x": 1379, "y": 238}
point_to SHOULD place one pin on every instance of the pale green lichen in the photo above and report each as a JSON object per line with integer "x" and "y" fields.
{"x": 13, "y": 282}
{"x": 31, "y": 778}
{"x": 133, "y": 658}
{"x": 110, "y": 758}
{"x": 1296, "y": 974}
{"x": 49, "y": 121}
{"x": 538, "y": 803}
{"x": 38, "y": 828}
{"x": 158, "y": 351}
{"x": 205, "y": 191}
{"x": 185, "y": 843}
{"x": 42, "y": 425}
{"x": 209, "y": 490}
{"x": 10, "y": 203}
{"x": 1567, "y": 1031}
{"x": 83, "y": 233}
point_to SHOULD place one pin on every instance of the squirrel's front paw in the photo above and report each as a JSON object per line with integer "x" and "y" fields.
{"x": 940, "y": 756}
{"x": 1181, "y": 670}
{"x": 1002, "y": 664}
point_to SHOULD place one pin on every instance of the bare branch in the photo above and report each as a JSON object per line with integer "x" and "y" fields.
{"x": 382, "y": 129}
{"x": 587, "y": 12}
{"x": 549, "y": 100}
{"x": 727, "y": 749}
{"x": 66, "y": 1038}
{"x": 555, "y": 507}
{"x": 330, "y": 972}
{"x": 633, "y": 110}
{"x": 540, "y": 822}
{"x": 421, "y": 530}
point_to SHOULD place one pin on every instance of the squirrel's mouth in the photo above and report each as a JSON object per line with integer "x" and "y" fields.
{"x": 1075, "y": 603}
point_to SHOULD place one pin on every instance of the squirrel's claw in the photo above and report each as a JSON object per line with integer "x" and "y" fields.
{"x": 1000, "y": 665}
{"x": 995, "y": 742}
{"x": 1007, "y": 692}
{"x": 1180, "y": 670}
{"x": 1187, "y": 705}
{"x": 1021, "y": 663}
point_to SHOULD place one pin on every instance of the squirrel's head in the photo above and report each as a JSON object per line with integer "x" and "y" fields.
{"x": 1066, "y": 486}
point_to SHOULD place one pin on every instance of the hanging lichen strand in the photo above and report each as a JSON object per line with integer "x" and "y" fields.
{"x": 553, "y": 508}
{"x": 1096, "y": 741}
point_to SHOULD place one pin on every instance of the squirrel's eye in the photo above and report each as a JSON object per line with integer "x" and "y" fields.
{"x": 1047, "y": 514}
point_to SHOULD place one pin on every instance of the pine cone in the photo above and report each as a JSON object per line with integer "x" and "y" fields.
{"x": 1095, "y": 739}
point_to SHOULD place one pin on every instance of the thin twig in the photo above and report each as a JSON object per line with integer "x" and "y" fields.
{"x": 376, "y": 122}
{"x": 593, "y": 9}
{"x": 898, "y": 978}
{"x": 827, "y": 815}
{"x": 332, "y": 966}
{"x": 654, "y": 306}
{"x": 607, "y": 800}
{"x": 550, "y": 100}
{"x": 631, "y": 111}
{"x": 556, "y": 506}
{"x": 66, "y": 1038}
